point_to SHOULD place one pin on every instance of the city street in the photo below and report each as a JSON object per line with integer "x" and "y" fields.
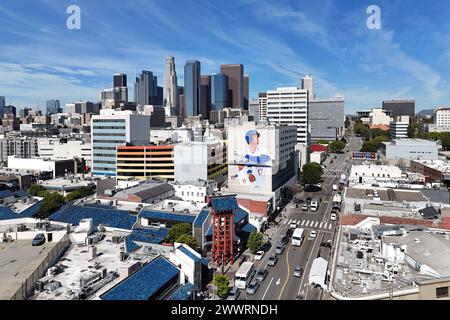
{"x": 280, "y": 283}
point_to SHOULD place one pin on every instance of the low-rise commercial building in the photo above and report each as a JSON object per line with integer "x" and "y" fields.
{"x": 59, "y": 167}
{"x": 433, "y": 170}
{"x": 410, "y": 149}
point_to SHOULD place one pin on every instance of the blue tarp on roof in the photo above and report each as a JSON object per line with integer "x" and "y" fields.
{"x": 201, "y": 218}
{"x": 110, "y": 217}
{"x": 143, "y": 284}
{"x": 9, "y": 193}
{"x": 31, "y": 211}
{"x": 153, "y": 236}
{"x": 239, "y": 214}
{"x": 224, "y": 203}
{"x": 189, "y": 253}
{"x": 167, "y": 216}
{"x": 6, "y": 213}
{"x": 248, "y": 228}
{"x": 183, "y": 293}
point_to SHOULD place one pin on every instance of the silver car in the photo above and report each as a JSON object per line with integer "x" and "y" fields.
{"x": 272, "y": 261}
{"x": 252, "y": 287}
{"x": 279, "y": 250}
{"x": 234, "y": 294}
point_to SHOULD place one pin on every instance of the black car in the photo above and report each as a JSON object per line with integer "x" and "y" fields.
{"x": 289, "y": 233}
{"x": 266, "y": 246}
{"x": 261, "y": 275}
{"x": 285, "y": 240}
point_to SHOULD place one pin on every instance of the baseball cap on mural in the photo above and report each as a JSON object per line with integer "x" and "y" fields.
{"x": 249, "y": 134}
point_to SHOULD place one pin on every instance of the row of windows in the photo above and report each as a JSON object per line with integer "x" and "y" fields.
{"x": 192, "y": 194}
{"x": 108, "y": 141}
{"x": 109, "y": 134}
{"x": 108, "y": 120}
{"x": 105, "y": 148}
{"x": 109, "y": 127}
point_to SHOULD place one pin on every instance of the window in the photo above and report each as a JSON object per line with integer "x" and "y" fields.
{"x": 442, "y": 292}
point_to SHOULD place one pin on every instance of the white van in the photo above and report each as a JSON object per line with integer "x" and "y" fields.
{"x": 314, "y": 206}
{"x": 244, "y": 275}
{"x": 335, "y": 187}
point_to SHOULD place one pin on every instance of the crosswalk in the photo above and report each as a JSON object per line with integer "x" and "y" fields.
{"x": 310, "y": 224}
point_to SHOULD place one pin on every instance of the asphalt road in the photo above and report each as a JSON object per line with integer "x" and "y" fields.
{"x": 280, "y": 283}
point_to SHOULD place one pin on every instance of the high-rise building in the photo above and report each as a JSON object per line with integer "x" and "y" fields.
{"x": 219, "y": 91}
{"x": 24, "y": 112}
{"x": 246, "y": 91}
{"x": 146, "y": 89}
{"x": 263, "y": 106}
{"x": 170, "y": 87}
{"x": 308, "y": 84}
{"x": 398, "y": 128}
{"x": 289, "y": 105}
{"x": 326, "y": 119}
{"x": 53, "y": 107}
{"x": 120, "y": 80}
{"x": 235, "y": 73}
{"x": 400, "y": 108}
{"x": 253, "y": 109}
{"x": 10, "y": 111}
{"x": 192, "y": 88}
{"x": 2, "y": 106}
{"x": 205, "y": 96}
{"x": 113, "y": 98}
{"x": 115, "y": 128}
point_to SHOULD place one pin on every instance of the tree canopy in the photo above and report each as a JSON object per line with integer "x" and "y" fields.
{"x": 178, "y": 230}
{"x": 222, "y": 284}
{"x": 255, "y": 241}
{"x": 337, "y": 146}
{"x": 79, "y": 193}
{"x": 188, "y": 239}
{"x": 51, "y": 203}
{"x": 312, "y": 173}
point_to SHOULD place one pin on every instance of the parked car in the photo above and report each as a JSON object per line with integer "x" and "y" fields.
{"x": 289, "y": 233}
{"x": 314, "y": 206}
{"x": 261, "y": 275}
{"x": 234, "y": 294}
{"x": 333, "y": 217}
{"x": 252, "y": 287}
{"x": 305, "y": 207}
{"x": 38, "y": 240}
{"x": 266, "y": 246}
{"x": 279, "y": 250}
{"x": 298, "y": 271}
{"x": 272, "y": 261}
{"x": 259, "y": 255}
{"x": 285, "y": 240}
{"x": 313, "y": 234}
{"x": 335, "y": 187}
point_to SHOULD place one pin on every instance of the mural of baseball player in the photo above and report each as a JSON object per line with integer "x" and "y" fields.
{"x": 254, "y": 162}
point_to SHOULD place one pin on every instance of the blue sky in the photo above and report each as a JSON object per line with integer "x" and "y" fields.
{"x": 277, "y": 41}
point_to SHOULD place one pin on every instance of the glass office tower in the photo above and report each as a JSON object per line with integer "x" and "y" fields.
{"x": 219, "y": 91}
{"x": 192, "y": 94}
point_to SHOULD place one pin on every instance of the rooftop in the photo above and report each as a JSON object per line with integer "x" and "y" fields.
{"x": 18, "y": 260}
{"x": 145, "y": 283}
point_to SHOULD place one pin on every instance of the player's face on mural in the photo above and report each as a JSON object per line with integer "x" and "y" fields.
{"x": 254, "y": 142}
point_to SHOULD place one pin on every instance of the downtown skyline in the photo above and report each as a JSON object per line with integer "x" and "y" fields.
{"x": 40, "y": 59}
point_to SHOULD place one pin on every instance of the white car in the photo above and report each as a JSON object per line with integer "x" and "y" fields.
{"x": 335, "y": 187}
{"x": 293, "y": 224}
{"x": 333, "y": 217}
{"x": 313, "y": 234}
{"x": 314, "y": 206}
{"x": 259, "y": 255}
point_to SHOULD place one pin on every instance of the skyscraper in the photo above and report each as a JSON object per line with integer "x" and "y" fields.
{"x": 205, "y": 100}
{"x": 401, "y": 107}
{"x": 120, "y": 80}
{"x": 170, "y": 87}
{"x": 146, "y": 89}
{"x": 219, "y": 91}
{"x": 192, "y": 94}
{"x": 53, "y": 107}
{"x": 246, "y": 91}
{"x": 235, "y": 73}
{"x": 308, "y": 84}
{"x": 2, "y": 106}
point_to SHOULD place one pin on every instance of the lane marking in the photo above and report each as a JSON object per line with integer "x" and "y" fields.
{"x": 320, "y": 226}
{"x": 303, "y": 222}
{"x": 288, "y": 272}
{"x": 329, "y": 226}
{"x": 267, "y": 289}
{"x": 317, "y": 223}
